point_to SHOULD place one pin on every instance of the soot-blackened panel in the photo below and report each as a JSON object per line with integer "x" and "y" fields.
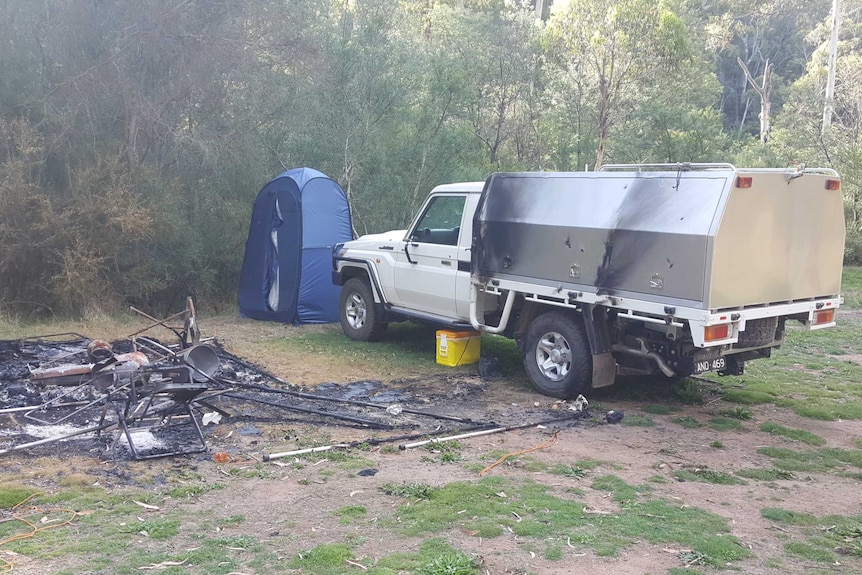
{"x": 642, "y": 233}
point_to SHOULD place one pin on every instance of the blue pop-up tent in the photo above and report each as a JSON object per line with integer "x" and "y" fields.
{"x": 286, "y": 273}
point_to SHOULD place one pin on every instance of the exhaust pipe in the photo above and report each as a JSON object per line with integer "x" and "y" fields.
{"x": 645, "y": 353}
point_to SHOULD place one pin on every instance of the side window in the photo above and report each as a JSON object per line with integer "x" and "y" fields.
{"x": 441, "y": 221}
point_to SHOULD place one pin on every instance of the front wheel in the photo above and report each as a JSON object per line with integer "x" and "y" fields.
{"x": 357, "y": 312}
{"x": 558, "y": 359}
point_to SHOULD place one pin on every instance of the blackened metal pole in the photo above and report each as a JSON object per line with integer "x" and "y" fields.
{"x": 302, "y": 395}
{"x": 368, "y": 441}
{"x": 344, "y": 417}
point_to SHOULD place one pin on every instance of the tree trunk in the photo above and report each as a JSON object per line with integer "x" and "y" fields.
{"x": 763, "y": 90}
{"x": 829, "y": 104}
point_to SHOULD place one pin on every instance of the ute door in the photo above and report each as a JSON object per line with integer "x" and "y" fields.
{"x": 427, "y": 264}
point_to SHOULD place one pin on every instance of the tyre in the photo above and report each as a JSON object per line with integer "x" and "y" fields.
{"x": 358, "y": 313}
{"x": 758, "y": 332}
{"x": 558, "y": 358}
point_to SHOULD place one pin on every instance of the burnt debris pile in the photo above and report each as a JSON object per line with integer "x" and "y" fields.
{"x": 142, "y": 398}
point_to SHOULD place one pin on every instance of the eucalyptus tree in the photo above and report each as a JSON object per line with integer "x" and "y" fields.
{"x": 614, "y": 48}
{"x": 744, "y": 35}
{"x": 799, "y": 137}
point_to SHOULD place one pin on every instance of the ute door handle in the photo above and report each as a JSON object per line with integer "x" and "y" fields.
{"x": 446, "y": 262}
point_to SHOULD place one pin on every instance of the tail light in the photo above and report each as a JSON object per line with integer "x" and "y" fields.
{"x": 743, "y": 181}
{"x": 833, "y": 184}
{"x": 716, "y": 332}
{"x": 824, "y": 316}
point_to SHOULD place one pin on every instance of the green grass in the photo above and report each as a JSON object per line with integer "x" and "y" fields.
{"x": 434, "y": 557}
{"x": 447, "y": 451}
{"x": 349, "y": 513}
{"x": 687, "y": 421}
{"x": 817, "y": 538}
{"x": 813, "y": 461}
{"x": 807, "y": 375}
{"x": 688, "y": 391}
{"x": 764, "y": 474}
{"x": 568, "y": 471}
{"x": 659, "y": 408}
{"x": 725, "y": 424}
{"x": 623, "y": 492}
{"x": 638, "y": 421}
{"x": 741, "y": 413}
{"x": 192, "y": 491}
{"x": 106, "y": 533}
{"x": 408, "y": 490}
{"x": 851, "y": 287}
{"x": 794, "y": 434}
{"x": 406, "y": 348}
{"x": 707, "y": 476}
{"x": 156, "y": 528}
{"x": 786, "y": 517}
{"x": 12, "y": 494}
{"x": 748, "y": 397}
{"x": 493, "y": 506}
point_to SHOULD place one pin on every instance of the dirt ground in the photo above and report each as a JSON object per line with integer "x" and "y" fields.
{"x": 301, "y": 501}
{"x": 639, "y": 453}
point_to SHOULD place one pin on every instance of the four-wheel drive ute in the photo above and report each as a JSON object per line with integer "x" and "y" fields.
{"x": 674, "y": 269}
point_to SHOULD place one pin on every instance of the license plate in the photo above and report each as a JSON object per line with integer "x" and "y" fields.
{"x": 716, "y": 364}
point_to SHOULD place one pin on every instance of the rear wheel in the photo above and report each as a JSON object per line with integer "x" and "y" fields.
{"x": 357, "y": 311}
{"x": 758, "y": 332}
{"x": 558, "y": 359}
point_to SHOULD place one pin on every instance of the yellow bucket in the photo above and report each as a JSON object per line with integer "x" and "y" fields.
{"x": 458, "y": 347}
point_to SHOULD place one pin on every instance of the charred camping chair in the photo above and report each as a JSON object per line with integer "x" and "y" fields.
{"x": 164, "y": 402}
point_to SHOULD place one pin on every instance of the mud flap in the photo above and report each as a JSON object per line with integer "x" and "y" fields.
{"x": 604, "y": 365}
{"x": 604, "y": 370}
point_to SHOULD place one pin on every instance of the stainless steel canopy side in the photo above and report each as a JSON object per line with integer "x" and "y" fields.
{"x": 780, "y": 240}
{"x": 645, "y": 233}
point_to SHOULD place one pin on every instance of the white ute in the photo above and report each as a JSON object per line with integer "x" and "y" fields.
{"x": 675, "y": 269}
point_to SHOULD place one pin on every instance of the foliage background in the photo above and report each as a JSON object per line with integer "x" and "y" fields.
{"x": 134, "y": 136}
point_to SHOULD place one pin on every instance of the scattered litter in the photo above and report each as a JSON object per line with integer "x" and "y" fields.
{"x": 614, "y": 416}
{"x": 394, "y": 409}
{"x": 489, "y": 367}
{"x": 146, "y": 506}
{"x": 367, "y": 472}
{"x": 580, "y": 404}
{"x": 213, "y": 417}
{"x": 163, "y": 565}
{"x": 221, "y": 457}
